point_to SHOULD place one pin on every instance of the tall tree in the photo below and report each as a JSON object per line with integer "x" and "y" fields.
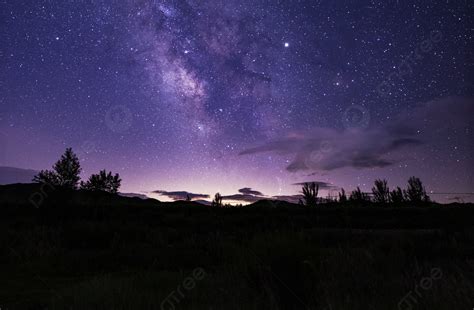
{"x": 342, "y": 196}
{"x": 310, "y": 194}
{"x": 68, "y": 169}
{"x": 217, "y": 202}
{"x": 380, "y": 191}
{"x": 358, "y": 196}
{"x": 416, "y": 191}
{"x": 396, "y": 195}
{"x": 65, "y": 172}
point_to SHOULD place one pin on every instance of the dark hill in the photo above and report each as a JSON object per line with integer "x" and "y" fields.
{"x": 58, "y": 204}
{"x": 11, "y": 175}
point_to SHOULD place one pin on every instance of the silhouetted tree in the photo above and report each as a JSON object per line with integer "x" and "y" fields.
{"x": 358, "y": 196}
{"x": 103, "y": 182}
{"x": 342, "y": 196}
{"x": 47, "y": 177}
{"x": 416, "y": 191}
{"x": 217, "y": 202}
{"x": 188, "y": 198}
{"x": 396, "y": 195}
{"x": 65, "y": 172}
{"x": 310, "y": 194}
{"x": 380, "y": 191}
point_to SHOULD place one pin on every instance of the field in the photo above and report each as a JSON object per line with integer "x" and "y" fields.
{"x": 99, "y": 251}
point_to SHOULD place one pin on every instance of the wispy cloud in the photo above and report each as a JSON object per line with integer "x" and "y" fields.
{"x": 322, "y": 185}
{"x": 326, "y": 149}
{"x": 181, "y": 195}
{"x": 242, "y": 197}
{"x": 133, "y": 195}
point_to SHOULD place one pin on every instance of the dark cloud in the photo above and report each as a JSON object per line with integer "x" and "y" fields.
{"x": 242, "y": 197}
{"x": 203, "y": 202}
{"x": 181, "y": 195}
{"x": 246, "y": 194}
{"x": 322, "y": 185}
{"x": 288, "y": 198}
{"x": 249, "y": 191}
{"x": 329, "y": 149}
{"x": 141, "y": 196}
{"x": 326, "y": 149}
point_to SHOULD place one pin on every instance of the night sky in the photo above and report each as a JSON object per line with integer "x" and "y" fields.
{"x": 242, "y": 97}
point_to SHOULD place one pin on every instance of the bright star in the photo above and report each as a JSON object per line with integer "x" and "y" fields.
{"x": 287, "y": 44}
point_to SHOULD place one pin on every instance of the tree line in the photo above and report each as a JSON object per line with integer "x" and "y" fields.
{"x": 66, "y": 174}
{"x": 414, "y": 193}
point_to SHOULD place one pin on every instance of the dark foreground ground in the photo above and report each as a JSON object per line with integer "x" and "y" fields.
{"x": 98, "y": 251}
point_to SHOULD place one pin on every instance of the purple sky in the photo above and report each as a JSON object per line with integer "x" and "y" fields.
{"x": 216, "y": 96}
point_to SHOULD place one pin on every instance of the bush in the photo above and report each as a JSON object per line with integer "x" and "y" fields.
{"x": 103, "y": 182}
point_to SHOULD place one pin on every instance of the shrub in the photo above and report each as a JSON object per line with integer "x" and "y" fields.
{"x": 103, "y": 182}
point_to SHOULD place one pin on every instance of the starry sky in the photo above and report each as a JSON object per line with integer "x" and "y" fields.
{"x": 243, "y": 97}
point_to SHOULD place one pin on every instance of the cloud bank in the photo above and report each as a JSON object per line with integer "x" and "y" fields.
{"x": 326, "y": 149}
{"x": 10, "y": 175}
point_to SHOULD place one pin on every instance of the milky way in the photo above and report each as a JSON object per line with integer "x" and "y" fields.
{"x": 195, "y": 97}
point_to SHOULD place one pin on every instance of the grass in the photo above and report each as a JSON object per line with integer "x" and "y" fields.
{"x": 283, "y": 257}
